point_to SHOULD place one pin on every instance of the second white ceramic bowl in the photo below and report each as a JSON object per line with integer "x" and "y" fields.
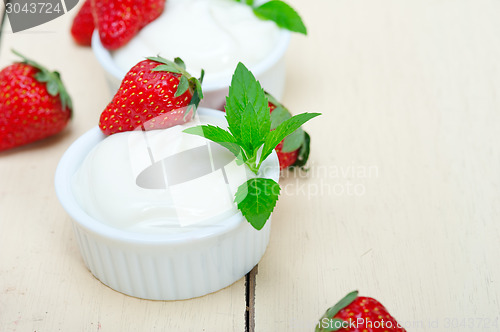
{"x": 270, "y": 72}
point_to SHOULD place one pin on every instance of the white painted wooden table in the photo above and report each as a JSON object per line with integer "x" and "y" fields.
{"x": 402, "y": 199}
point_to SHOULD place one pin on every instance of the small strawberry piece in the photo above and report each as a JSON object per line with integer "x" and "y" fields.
{"x": 286, "y": 159}
{"x": 294, "y": 149}
{"x": 83, "y": 25}
{"x": 33, "y": 104}
{"x": 118, "y": 21}
{"x": 358, "y": 314}
{"x": 155, "y": 94}
{"x": 152, "y": 9}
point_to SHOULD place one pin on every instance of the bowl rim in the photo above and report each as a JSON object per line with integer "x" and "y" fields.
{"x": 278, "y": 52}
{"x": 72, "y": 159}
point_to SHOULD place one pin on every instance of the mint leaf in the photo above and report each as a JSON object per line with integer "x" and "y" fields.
{"x": 217, "y": 135}
{"x": 285, "y": 16}
{"x": 279, "y": 115}
{"x": 283, "y": 130}
{"x": 252, "y": 137}
{"x": 244, "y": 90}
{"x": 256, "y": 199}
{"x": 293, "y": 141}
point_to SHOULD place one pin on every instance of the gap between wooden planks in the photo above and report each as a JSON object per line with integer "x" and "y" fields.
{"x": 250, "y": 299}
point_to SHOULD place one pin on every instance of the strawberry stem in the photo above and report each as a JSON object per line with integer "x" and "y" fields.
{"x": 186, "y": 81}
{"x": 53, "y": 81}
{"x": 334, "y": 310}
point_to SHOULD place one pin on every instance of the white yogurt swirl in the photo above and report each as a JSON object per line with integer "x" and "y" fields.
{"x": 161, "y": 181}
{"x": 210, "y": 34}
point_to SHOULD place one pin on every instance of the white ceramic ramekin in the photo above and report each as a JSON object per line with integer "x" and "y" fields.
{"x": 155, "y": 266}
{"x": 270, "y": 72}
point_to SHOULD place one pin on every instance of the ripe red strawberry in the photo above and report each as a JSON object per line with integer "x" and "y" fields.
{"x": 118, "y": 21}
{"x": 33, "y": 104}
{"x": 358, "y": 314}
{"x": 155, "y": 94}
{"x": 83, "y": 25}
{"x": 294, "y": 149}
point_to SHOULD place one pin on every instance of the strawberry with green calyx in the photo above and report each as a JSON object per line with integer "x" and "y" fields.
{"x": 118, "y": 21}
{"x": 83, "y": 25}
{"x": 155, "y": 94}
{"x": 279, "y": 12}
{"x": 251, "y": 140}
{"x": 358, "y": 314}
{"x": 33, "y": 103}
{"x": 293, "y": 151}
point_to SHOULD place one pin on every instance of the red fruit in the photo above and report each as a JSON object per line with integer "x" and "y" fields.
{"x": 155, "y": 94}
{"x": 118, "y": 21}
{"x": 294, "y": 149}
{"x": 33, "y": 104}
{"x": 286, "y": 159}
{"x": 358, "y": 314}
{"x": 83, "y": 25}
{"x": 152, "y": 9}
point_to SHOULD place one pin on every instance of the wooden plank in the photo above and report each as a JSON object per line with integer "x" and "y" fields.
{"x": 401, "y": 199}
{"x": 44, "y": 285}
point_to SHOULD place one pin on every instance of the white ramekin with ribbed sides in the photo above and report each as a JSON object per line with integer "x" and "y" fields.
{"x": 156, "y": 266}
{"x": 271, "y": 72}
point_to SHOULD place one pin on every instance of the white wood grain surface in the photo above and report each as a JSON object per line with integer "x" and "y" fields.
{"x": 402, "y": 199}
{"x": 44, "y": 285}
{"x": 410, "y": 96}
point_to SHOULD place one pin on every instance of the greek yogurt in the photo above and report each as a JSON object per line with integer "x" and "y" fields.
{"x": 161, "y": 181}
{"x": 210, "y": 34}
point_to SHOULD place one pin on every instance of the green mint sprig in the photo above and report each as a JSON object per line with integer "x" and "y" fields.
{"x": 251, "y": 138}
{"x": 280, "y": 12}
